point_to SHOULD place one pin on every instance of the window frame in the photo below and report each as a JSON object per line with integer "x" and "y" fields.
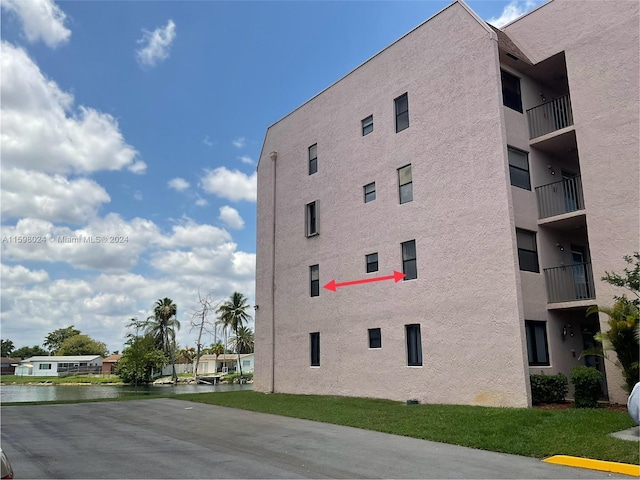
{"x": 367, "y": 125}
{"x": 314, "y": 347}
{"x": 369, "y": 262}
{"x": 375, "y": 338}
{"x": 520, "y": 169}
{"x": 314, "y": 284}
{"x": 532, "y": 343}
{"x": 312, "y": 219}
{"x": 313, "y": 161}
{"x": 406, "y": 259}
{"x": 401, "y": 185}
{"x": 511, "y": 98}
{"x": 401, "y": 114}
{"x": 45, "y": 366}
{"x": 370, "y": 192}
{"x": 525, "y": 251}
{"x": 413, "y": 342}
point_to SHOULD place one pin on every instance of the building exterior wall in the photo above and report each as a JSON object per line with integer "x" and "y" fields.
{"x": 470, "y": 298}
{"x": 601, "y": 45}
{"x": 466, "y": 297}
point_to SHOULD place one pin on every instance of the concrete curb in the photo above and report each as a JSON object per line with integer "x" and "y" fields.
{"x": 614, "y": 467}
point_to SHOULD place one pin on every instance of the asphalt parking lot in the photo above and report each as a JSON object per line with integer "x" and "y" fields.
{"x": 168, "y": 438}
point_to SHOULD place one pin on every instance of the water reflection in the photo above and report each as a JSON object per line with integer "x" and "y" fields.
{"x": 39, "y": 393}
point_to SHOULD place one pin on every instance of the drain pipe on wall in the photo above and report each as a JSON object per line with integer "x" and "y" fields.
{"x": 273, "y": 156}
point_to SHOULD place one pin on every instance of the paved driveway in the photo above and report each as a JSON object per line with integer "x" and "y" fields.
{"x": 167, "y": 438}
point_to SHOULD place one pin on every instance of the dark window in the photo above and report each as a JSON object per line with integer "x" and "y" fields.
{"x": 527, "y": 250}
{"x": 311, "y": 219}
{"x": 313, "y": 159}
{"x": 367, "y": 125}
{"x": 519, "y": 168}
{"x": 45, "y": 366}
{"x": 409, "y": 265}
{"x": 537, "y": 343}
{"x": 414, "y": 345}
{"x": 314, "y": 276}
{"x": 511, "y": 91}
{"x": 375, "y": 338}
{"x": 372, "y": 262}
{"x": 402, "y": 112}
{"x": 405, "y": 184}
{"x": 369, "y": 192}
{"x": 315, "y": 349}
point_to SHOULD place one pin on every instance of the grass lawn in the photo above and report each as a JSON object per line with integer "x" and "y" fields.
{"x": 92, "y": 379}
{"x": 530, "y": 432}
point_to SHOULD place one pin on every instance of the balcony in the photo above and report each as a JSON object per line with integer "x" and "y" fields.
{"x": 569, "y": 283}
{"x": 550, "y": 116}
{"x": 560, "y": 197}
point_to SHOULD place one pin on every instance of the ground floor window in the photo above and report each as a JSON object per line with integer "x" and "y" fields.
{"x": 414, "y": 345}
{"x": 45, "y": 366}
{"x": 537, "y": 347}
{"x": 315, "y": 349}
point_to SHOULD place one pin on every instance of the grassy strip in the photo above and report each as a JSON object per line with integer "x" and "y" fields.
{"x": 90, "y": 379}
{"x": 530, "y": 432}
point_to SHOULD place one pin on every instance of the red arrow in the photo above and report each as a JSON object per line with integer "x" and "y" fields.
{"x": 397, "y": 276}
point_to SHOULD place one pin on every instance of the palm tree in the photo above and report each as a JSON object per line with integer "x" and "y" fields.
{"x": 243, "y": 343}
{"x": 216, "y": 349}
{"x": 233, "y": 313}
{"x": 162, "y": 326}
{"x": 188, "y": 354}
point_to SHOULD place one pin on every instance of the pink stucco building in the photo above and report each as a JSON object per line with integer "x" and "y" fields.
{"x": 497, "y": 169}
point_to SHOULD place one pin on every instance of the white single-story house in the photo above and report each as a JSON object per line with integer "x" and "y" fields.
{"x": 52, "y": 366}
{"x": 226, "y": 363}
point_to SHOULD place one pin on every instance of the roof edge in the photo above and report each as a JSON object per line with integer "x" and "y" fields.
{"x": 473, "y": 14}
{"x": 525, "y": 15}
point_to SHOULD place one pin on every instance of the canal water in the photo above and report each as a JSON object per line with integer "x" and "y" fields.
{"x": 38, "y": 393}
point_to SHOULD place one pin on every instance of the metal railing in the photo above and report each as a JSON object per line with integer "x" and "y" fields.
{"x": 550, "y": 116}
{"x": 560, "y": 197}
{"x": 569, "y": 283}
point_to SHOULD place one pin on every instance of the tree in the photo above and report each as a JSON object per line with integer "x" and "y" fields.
{"x": 6, "y": 348}
{"x": 233, "y": 313}
{"x": 624, "y": 321}
{"x": 216, "y": 349}
{"x": 26, "y": 352}
{"x": 162, "y": 326}
{"x": 54, "y": 340}
{"x": 630, "y": 280}
{"x": 139, "y": 360}
{"x": 82, "y": 345}
{"x": 243, "y": 342}
{"x": 199, "y": 321}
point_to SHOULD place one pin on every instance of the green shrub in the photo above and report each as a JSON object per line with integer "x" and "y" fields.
{"x": 587, "y": 385}
{"x": 235, "y": 377}
{"x": 548, "y": 388}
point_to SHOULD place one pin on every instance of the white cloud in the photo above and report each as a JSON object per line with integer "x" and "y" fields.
{"x": 515, "y": 9}
{"x": 49, "y": 197}
{"x": 207, "y": 141}
{"x": 156, "y": 45}
{"x": 247, "y": 159}
{"x": 19, "y": 275}
{"x": 231, "y": 217}
{"x": 239, "y": 142}
{"x": 138, "y": 195}
{"x": 201, "y": 202}
{"x": 39, "y": 122}
{"x": 41, "y": 20}
{"x": 233, "y": 185}
{"x": 178, "y": 184}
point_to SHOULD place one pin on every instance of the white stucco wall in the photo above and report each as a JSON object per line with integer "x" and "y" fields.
{"x": 466, "y": 297}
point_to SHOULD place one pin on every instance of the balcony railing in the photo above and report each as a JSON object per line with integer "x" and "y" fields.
{"x": 560, "y": 197}
{"x": 569, "y": 283}
{"x": 550, "y": 116}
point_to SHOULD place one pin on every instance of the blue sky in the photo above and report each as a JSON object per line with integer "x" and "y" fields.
{"x": 142, "y": 122}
